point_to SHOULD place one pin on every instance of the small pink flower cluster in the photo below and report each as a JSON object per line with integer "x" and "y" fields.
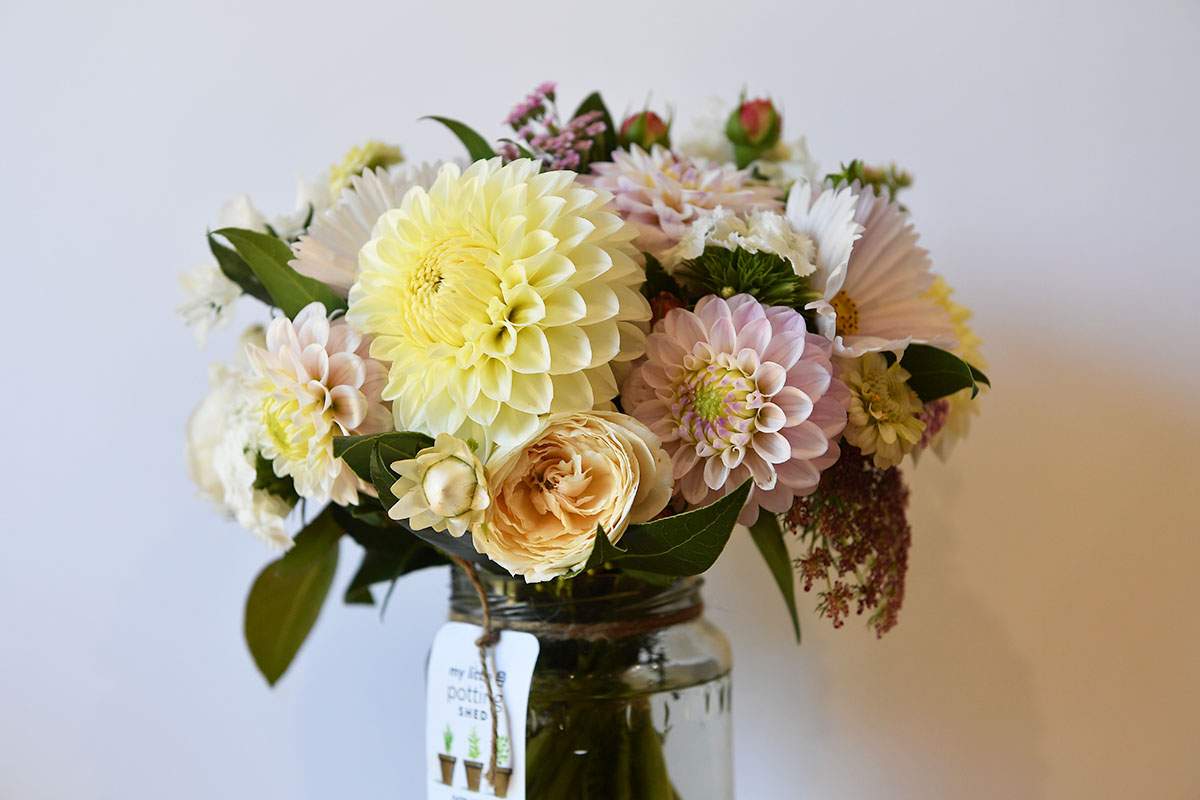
{"x": 533, "y": 106}
{"x": 540, "y": 130}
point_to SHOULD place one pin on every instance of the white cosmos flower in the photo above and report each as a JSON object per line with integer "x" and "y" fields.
{"x": 874, "y": 298}
{"x": 329, "y": 251}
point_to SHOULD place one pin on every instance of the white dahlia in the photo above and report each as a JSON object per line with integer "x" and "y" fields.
{"x": 316, "y": 382}
{"x": 499, "y": 295}
{"x": 329, "y": 251}
{"x": 875, "y": 299}
{"x": 661, "y": 193}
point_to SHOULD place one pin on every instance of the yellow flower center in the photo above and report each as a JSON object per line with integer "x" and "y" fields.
{"x": 290, "y": 439}
{"x": 847, "y": 314}
{"x": 442, "y": 290}
{"x": 876, "y": 391}
{"x": 708, "y": 402}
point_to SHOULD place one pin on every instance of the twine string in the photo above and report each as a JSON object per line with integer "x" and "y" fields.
{"x": 486, "y": 640}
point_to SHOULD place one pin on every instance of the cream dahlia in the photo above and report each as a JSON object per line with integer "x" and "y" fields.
{"x": 961, "y": 407}
{"x": 741, "y": 391}
{"x": 874, "y": 300}
{"x": 661, "y": 193}
{"x": 359, "y": 159}
{"x": 885, "y": 414}
{"x": 578, "y": 474}
{"x": 499, "y": 295}
{"x": 315, "y": 382}
{"x": 444, "y": 487}
{"x": 329, "y": 251}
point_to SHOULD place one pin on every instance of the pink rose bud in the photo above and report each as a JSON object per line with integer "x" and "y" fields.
{"x": 753, "y": 128}
{"x": 645, "y": 129}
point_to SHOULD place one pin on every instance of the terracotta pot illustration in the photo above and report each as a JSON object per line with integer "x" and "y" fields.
{"x": 474, "y": 768}
{"x": 447, "y": 763}
{"x": 500, "y": 784}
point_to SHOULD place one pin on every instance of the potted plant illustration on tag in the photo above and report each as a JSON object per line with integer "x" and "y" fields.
{"x": 503, "y": 766}
{"x": 446, "y": 757}
{"x": 473, "y": 764}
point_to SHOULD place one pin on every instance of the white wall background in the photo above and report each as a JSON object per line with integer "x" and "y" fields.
{"x": 1049, "y": 643}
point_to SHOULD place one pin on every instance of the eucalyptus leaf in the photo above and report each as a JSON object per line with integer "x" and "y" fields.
{"x": 477, "y": 146}
{"x": 683, "y": 544}
{"x": 287, "y": 596}
{"x": 237, "y": 270}
{"x": 268, "y": 259}
{"x": 768, "y": 536}
{"x": 396, "y": 446}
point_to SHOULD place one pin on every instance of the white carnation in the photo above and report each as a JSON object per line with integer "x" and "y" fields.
{"x": 221, "y": 457}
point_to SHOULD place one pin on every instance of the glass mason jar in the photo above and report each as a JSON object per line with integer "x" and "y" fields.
{"x": 631, "y": 694}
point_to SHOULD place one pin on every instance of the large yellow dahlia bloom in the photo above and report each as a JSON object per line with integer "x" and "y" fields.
{"x": 499, "y": 295}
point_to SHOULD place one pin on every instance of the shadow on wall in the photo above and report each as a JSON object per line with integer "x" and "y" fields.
{"x": 1033, "y": 621}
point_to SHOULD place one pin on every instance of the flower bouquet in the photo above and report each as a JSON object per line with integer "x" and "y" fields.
{"x": 571, "y": 363}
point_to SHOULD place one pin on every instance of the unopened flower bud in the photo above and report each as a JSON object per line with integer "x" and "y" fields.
{"x": 753, "y": 128}
{"x": 645, "y": 129}
{"x": 449, "y": 486}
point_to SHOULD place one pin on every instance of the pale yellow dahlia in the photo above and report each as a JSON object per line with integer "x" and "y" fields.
{"x": 358, "y": 160}
{"x": 962, "y": 407}
{"x": 579, "y": 474}
{"x": 499, "y": 295}
{"x": 315, "y": 382}
{"x": 883, "y": 415}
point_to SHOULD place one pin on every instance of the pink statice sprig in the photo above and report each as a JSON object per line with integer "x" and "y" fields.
{"x": 541, "y": 133}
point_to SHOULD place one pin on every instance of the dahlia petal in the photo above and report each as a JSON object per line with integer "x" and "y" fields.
{"x": 564, "y": 306}
{"x": 805, "y": 440}
{"x": 495, "y": 379}
{"x": 785, "y": 348}
{"x": 346, "y": 369}
{"x": 761, "y": 471}
{"x": 572, "y": 392}
{"x": 511, "y": 427}
{"x": 794, "y": 403}
{"x": 770, "y": 418}
{"x": 769, "y": 377}
{"x": 772, "y": 447}
{"x": 532, "y": 351}
{"x": 683, "y": 460}
{"x": 570, "y": 349}
{"x": 531, "y": 393}
{"x": 604, "y": 341}
{"x": 715, "y": 473}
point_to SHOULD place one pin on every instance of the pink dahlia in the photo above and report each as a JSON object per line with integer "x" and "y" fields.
{"x": 739, "y": 390}
{"x": 662, "y": 193}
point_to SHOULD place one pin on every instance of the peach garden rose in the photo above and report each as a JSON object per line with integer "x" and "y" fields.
{"x": 578, "y": 473}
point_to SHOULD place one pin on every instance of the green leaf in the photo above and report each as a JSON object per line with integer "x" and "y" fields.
{"x": 607, "y": 142}
{"x": 268, "y": 258}
{"x": 287, "y": 596}
{"x": 685, "y": 544}
{"x": 936, "y": 373}
{"x": 380, "y": 566}
{"x": 477, "y": 146}
{"x": 397, "y": 446}
{"x": 979, "y": 377}
{"x": 237, "y": 270}
{"x": 768, "y": 537}
{"x": 455, "y": 547}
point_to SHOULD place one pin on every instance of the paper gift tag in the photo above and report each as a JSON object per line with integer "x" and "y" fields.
{"x": 458, "y": 721}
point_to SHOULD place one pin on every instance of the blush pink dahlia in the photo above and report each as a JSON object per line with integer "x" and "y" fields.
{"x": 739, "y": 390}
{"x": 662, "y": 193}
